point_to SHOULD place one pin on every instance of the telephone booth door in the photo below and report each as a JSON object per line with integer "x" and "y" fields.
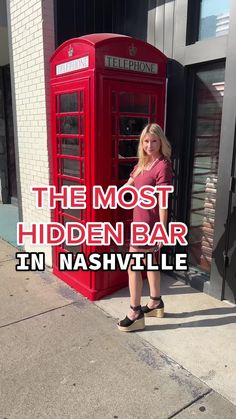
{"x": 70, "y": 148}
{"x": 132, "y": 107}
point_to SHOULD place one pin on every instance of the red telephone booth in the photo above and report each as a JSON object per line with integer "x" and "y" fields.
{"x": 104, "y": 89}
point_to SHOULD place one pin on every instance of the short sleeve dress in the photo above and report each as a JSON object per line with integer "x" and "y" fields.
{"x": 159, "y": 174}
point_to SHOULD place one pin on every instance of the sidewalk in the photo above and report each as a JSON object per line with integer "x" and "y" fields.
{"x": 62, "y": 356}
{"x": 8, "y": 232}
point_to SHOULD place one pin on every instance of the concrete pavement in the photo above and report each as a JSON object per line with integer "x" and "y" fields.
{"x": 62, "y": 356}
{"x": 198, "y": 332}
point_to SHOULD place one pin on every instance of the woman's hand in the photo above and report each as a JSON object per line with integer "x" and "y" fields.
{"x": 163, "y": 214}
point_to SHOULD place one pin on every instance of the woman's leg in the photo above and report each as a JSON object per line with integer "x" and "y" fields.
{"x": 135, "y": 289}
{"x": 154, "y": 278}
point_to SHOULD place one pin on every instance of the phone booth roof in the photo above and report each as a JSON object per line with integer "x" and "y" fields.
{"x": 107, "y": 52}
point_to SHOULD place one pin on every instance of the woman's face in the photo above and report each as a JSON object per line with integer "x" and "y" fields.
{"x": 152, "y": 145}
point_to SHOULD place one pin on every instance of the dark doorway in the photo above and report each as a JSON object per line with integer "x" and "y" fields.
{"x": 225, "y": 250}
{"x": 74, "y": 18}
{"x": 7, "y": 148}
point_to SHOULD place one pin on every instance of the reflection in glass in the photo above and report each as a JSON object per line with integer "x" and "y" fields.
{"x": 153, "y": 104}
{"x": 69, "y": 146}
{"x": 73, "y": 249}
{"x": 82, "y": 169}
{"x": 81, "y": 131}
{"x": 66, "y": 220}
{"x": 75, "y": 212}
{"x": 70, "y": 167}
{"x": 209, "y": 100}
{"x": 58, "y": 125}
{"x": 57, "y": 103}
{"x": 69, "y": 102}
{"x": 114, "y": 170}
{"x": 114, "y": 119}
{"x": 82, "y": 148}
{"x": 132, "y": 125}
{"x": 134, "y": 102}
{"x": 66, "y": 182}
{"x": 113, "y": 147}
{"x": 128, "y": 148}
{"x": 214, "y": 18}
{"x": 69, "y": 124}
{"x": 58, "y": 165}
{"x": 125, "y": 168}
{"x": 209, "y": 127}
{"x": 81, "y": 101}
{"x": 113, "y": 101}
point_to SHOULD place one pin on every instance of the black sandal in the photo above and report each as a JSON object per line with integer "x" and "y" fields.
{"x": 154, "y": 312}
{"x": 128, "y": 325}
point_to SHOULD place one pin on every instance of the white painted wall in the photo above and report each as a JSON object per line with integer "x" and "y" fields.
{"x": 32, "y": 33}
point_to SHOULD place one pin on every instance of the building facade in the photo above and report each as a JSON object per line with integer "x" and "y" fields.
{"x": 199, "y": 39}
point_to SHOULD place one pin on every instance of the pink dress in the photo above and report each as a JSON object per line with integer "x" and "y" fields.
{"x": 159, "y": 174}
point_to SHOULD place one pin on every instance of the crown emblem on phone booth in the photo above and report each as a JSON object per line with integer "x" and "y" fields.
{"x": 132, "y": 50}
{"x": 70, "y": 51}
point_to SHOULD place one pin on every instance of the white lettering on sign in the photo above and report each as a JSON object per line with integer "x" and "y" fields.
{"x": 133, "y": 65}
{"x": 72, "y": 65}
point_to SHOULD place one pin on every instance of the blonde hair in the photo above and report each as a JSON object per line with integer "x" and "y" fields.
{"x": 154, "y": 129}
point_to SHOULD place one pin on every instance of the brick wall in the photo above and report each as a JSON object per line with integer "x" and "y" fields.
{"x": 32, "y": 31}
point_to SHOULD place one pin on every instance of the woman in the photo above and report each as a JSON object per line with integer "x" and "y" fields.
{"x": 153, "y": 168}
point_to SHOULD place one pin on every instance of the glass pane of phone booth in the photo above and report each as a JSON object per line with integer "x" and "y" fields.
{"x": 70, "y": 152}
{"x": 131, "y": 111}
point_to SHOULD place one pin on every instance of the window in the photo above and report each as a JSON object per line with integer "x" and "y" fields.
{"x": 131, "y": 111}
{"x": 214, "y": 18}
{"x": 208, "y": 103}
{"x": 207, "y": 19}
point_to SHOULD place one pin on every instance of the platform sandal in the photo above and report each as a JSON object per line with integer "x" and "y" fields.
{"x": 154, "y": 312}
{"x": 127, "y": 325}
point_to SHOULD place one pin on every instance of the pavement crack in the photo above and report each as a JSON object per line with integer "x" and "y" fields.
{"x": 190, "y": 403}
{"x": 88, "y": 343}
{"x": 6, "y": 260}
{"x": 36, "y": 315}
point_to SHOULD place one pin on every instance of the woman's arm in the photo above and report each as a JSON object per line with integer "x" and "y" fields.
{"x": 129, "y": 182}
{"x": 163, "y": 214}
{"x": 164, "y": 178}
